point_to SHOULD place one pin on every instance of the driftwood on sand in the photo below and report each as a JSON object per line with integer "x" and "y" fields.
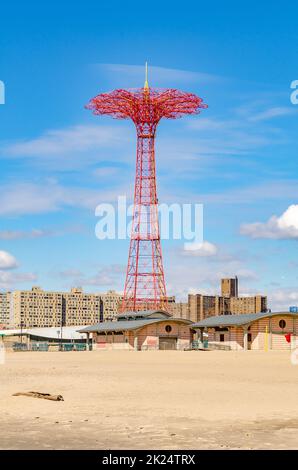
{"x": 46, "y": 396}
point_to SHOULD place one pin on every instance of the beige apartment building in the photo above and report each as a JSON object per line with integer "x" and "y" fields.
{"x": 37, "y": 308}
{"x": 5, "y": 304}
{"x": 80, "y": 308}
{"x": 111, "y": 304}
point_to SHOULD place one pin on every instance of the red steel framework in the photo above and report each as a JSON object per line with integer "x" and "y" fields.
{"x": 145, "y": 284}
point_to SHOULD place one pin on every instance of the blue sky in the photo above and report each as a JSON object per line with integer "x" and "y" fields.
{"x": 238, "y": 157}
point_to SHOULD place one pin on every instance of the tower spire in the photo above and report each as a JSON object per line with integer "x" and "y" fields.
{"x": 146, "y": 84}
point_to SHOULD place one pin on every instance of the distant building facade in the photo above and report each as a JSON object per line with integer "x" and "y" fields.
{"x": 229, "y": 287}
{"x": 242, "y": 305}
{"x": 80, "y": 308}
{"x": 111, "y": 304}
{"x": 5, "y": 303}
{"x": 178, "y": 309}
{"x": 37, "y": 308}
{"x": 200, "y": 306}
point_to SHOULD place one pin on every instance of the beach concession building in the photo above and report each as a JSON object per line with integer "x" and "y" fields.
{"x": 278, "y": 330}
{"x": 150, "y": 329}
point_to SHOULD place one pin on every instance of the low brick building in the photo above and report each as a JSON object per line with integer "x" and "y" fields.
{"x": 274, "y": 330}
{"x": 151, "y": 329}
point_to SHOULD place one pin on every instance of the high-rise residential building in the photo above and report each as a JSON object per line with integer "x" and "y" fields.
{"x": 111, "y": 304}
{"x": 81, "y": 308}
{"x": 5, "y": 305}
{"x": 39, "y": 308}
{"x": 229, "y": 287}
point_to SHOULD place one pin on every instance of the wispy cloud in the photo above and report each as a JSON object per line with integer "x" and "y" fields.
{"x": 110, "y": 276}
{"x": 158, "y": 76}
{"x": 268, "y": 191}
{"x": 32, "y": 198}
{"x": 36, "y": 233}
{"x": 202, "y": 141}
{"x": 71, "y": 274}
{"x": 8, "y": 280}
{"x": 272, "y": 113}
{"x": 76, "y": 139}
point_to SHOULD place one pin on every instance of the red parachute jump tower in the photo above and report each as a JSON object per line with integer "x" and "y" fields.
{"x": 145, "y": 284}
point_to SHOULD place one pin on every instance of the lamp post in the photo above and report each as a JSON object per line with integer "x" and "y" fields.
{"x": 58, "y": 333}
{"x": 21, "y": 324}
{"x": 61, "y": 332}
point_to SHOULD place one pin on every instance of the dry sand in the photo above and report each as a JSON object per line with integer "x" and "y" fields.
{"x": 150, "y": 400}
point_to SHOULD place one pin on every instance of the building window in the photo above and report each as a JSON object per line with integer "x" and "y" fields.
{"x": 221, "y": 337}
{"x": 168, "y": 328}
{"x": 282, "y": 324}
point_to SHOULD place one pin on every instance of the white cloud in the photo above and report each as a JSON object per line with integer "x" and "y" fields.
{"x": 202, "y": 141}
{"x": 201, "y": 249}
{"x": 212, "y": 124}
{"x": 283, "y": 227}
{"x": 19, "y": 234}
{"x": 267, "y": 191}
{"x": 38, "y": 233}
{"x": 107, "y": 171}
{"x": 281, "y": 299}
{"x": 7, "y": 261}
{"x": 158, "y": 76}
{"x": 30, "y": 198}
{"x": 197, "y": 275}
{"x": 75, "y": 139}
{"x": 71, "y": 273}
{"x": 110, "y": 276}
{"x": 9, "y": 279}
{"x": 186, "y": 272}
{"x": 271, "y": 113}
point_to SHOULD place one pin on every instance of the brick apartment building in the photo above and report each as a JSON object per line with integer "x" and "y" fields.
{"x": 200, "y": 306}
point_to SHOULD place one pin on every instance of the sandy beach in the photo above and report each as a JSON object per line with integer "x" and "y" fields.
{"x": 150, "y": 400}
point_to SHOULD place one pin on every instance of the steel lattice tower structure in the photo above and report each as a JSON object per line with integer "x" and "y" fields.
{"x": 145, "y": 284}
